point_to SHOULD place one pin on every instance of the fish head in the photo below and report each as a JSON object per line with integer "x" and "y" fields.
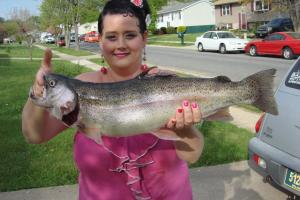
{"x": 58, "y": 95}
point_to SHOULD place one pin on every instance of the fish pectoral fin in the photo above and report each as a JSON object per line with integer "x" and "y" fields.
{"x": 166, "y": 134}
{"x": 220, "y": 115}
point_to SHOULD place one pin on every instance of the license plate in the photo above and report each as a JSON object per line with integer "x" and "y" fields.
{"x": 292, "y": 179}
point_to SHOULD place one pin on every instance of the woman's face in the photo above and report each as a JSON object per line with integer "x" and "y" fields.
{"x": 121, "y": 42}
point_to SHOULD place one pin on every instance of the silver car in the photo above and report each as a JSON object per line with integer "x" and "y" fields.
{"x": 275, "y": 151}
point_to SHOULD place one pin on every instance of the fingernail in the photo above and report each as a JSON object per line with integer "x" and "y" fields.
{"x": 194, "y": 105}
{"x": 179, "y": 110}
{"x": 185, "y": 103}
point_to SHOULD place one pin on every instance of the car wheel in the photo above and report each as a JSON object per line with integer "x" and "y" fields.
{"x": 222, "y": 49}
{"x": 253, "y": 51}
{"x": 287, "y": 53}
{"x": 200, "y": 47}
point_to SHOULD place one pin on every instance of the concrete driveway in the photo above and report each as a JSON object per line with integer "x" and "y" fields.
{"x": 235, "y": 181}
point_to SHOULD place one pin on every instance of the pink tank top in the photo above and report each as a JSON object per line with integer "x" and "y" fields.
{"x": 138, "y": 167}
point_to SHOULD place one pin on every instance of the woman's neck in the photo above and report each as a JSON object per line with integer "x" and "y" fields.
{"x": 124, "y": 74}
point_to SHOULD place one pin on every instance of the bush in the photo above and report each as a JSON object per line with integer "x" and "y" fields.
{"x": 163, "y": 30}
{"x": 181, "y": 29}
{"x": 171, "y": 30}
{"x": 155, "y": 31}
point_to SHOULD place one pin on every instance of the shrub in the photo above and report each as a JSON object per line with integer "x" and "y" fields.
{"x": 181, "y": 29}
{"x": 163, "y": 30}
{"x": 171, "y": 30}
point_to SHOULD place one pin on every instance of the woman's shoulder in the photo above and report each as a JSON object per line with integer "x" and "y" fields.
{"x": 93, "y": 76}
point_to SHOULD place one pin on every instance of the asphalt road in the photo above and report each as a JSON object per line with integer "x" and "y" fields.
{"x": 234, "y": 65}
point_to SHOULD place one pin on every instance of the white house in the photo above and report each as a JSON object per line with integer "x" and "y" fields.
{"x": 192, "y": 14}
{"x": 88, "y": 27}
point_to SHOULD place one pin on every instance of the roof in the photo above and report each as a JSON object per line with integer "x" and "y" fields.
{"x": 177, "y": 6}
{"x": 222, "y": 2}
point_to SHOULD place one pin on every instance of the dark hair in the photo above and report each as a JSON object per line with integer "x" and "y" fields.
{"x": 125, "y": 7}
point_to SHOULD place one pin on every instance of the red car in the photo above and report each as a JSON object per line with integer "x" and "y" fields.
{"x": 285, "y": 44}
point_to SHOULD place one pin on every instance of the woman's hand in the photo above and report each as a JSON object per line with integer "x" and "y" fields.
{"x": 186, "y": 115}
{"x": 45, "y": 68}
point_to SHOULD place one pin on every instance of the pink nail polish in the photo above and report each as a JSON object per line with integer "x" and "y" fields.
{"x": 179, "y": 110}
{"x": 185, "y": 103}
{"x": 194, "y": 105}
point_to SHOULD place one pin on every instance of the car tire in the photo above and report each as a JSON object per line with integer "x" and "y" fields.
{"x": 222, "y": 49}
{"x": 253, "y": 51}
{"x": 287, "y": 53}
{"x": 200, "y": 47}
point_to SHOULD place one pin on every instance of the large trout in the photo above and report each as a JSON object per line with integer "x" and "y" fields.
{"x": 147, "y": 102}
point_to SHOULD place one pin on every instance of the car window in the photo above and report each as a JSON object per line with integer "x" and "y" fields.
{"x": 213, "y": 35}
{"x": 275, "y": 37}
{"x": 294, "y": 35}
{"x": 293, "y": 79}
{"x": 207, "y": 35}
{"x": 225, "y": 35}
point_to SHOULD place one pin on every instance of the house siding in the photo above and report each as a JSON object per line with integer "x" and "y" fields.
{"x": 232, "y": 18}
{"x": 200, "y": 14}
{"x": 197, "y": 14}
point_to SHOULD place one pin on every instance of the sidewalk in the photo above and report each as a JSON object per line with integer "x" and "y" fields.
{"x": 233, "y": 181}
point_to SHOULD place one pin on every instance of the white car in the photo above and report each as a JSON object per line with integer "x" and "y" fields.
{"x": 222, "y": 41}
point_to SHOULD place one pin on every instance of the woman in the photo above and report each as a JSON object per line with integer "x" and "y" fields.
{"x": 135, "y": 167}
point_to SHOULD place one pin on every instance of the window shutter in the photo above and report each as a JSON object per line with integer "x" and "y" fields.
{"x": 270, "y": 5}
{"x": 252, "y": 6}
{"x": 230, "y": 7}
{"x": 221, "y": 7}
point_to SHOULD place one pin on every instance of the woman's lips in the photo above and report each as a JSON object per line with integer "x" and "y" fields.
{"x": 121, "y": 55}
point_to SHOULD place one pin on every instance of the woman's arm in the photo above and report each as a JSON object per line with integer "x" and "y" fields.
{"x": 38, "y": 125}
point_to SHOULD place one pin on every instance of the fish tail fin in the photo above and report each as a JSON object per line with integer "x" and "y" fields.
{"x": 265, "y": 81}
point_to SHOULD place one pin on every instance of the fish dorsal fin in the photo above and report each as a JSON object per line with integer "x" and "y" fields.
{"x": 156, "y": 73}
{"x": 221, "y": 115}
{"x": 223, "y": 79}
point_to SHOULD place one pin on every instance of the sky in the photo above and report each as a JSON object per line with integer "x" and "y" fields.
{"x": 7, "y": 5}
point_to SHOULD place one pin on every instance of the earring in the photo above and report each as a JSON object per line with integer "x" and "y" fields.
{"x": 144, "y": 56}
{"x": 102, "y": 59}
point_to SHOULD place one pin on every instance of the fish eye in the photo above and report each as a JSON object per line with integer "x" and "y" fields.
{"x": 52, "y": 83}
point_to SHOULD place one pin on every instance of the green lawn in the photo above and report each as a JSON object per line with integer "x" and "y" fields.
{"x": 21, "y": 51}
{"x": 69, "y": 51}
{"x": 24, "y": 165}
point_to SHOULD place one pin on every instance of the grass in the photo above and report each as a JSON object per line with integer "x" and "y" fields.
{"x": 21, "y": 51}
{"x": 68, "y": 51}
{"x": 23, "y": 165}
{"x": 224, "y": 143}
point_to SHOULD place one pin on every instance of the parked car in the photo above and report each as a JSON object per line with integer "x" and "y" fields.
{"x": 72, "y": 37}
{"x": 274, "y": 152}
{"x": 222, "y": 41}
{"x": 275, "y": 25}
{"x": 91, "y": 37}
{"x": 61, "y": 41}
{"x": 81, "y": 37}
{"x": 49, "y": 39}
{"x": 285, "y": 44}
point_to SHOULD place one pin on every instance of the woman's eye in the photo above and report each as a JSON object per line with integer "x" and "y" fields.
{"x": 111, "y": 37}
{"x": 130, "y": 36}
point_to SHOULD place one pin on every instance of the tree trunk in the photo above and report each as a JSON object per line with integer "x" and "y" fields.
{"x": 76, "y": 36}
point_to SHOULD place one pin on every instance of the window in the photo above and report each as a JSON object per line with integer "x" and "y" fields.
{"x": 162, "y": 18}
{"x": 172, "y": 16}
{"x": 226, "y": 9}
{"x": 260, "y": 5}
{"x": 179, "y": 15}
{"x": 293, "y": 79}
{"x": 275, "y": 37}
{"x": 207, "y": 35}
{"x": 213, "y": 34}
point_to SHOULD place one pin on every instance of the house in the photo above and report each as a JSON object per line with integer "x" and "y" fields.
{"x": 197, "y": 16}
{"x": 230, "y": 14}
{"x": 88, "y": 27}
{"x": 233, "y": 14}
